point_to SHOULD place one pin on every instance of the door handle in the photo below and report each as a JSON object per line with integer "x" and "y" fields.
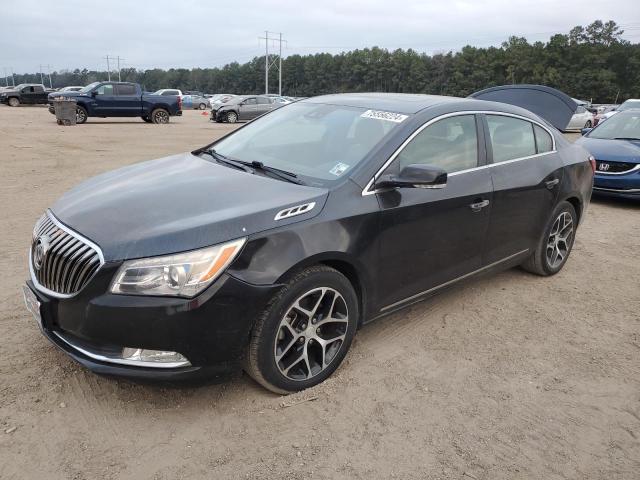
{"x": 552, "y": 183}
{"x": 476, "y": 207}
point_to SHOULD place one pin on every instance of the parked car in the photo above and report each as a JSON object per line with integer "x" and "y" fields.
{"x": 246, "y": 107}
{"x": 632, "y": 103}
{"x": 196, "y": 100}
{"x": 601, "y": 112}
{"x": 271, "y": 246}
{"x": 169, "y": 92}
{"x": 70, "y": 89}
{"x": 26, "y": 94}
{"x": 120, "y": 99}
{"x": 582, "y": 118}
{"x": 615, "y": 144}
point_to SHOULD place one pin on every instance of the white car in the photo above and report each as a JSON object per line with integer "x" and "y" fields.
{"x": 583, "y": 118}
{"x": 626, "y": 105}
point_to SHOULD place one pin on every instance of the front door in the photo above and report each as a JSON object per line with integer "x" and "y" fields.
{"x": 432, "y": 237}
{"x": 248, "y": 109}
{"x": 104, "y": 101}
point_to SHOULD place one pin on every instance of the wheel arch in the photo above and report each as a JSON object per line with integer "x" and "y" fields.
{"x": 343, "y": 264}
{"x": 575, "y": 201}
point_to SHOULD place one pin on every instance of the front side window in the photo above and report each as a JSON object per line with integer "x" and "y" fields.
{"x": 450, "y": 143}
{"x": 320, "y": 143}
{"x": 105, "y": 89}
{"x": 250, "y": 101}
{"x": 511, "y": 138}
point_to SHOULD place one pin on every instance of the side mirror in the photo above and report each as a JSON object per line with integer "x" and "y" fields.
{"x": 415, "y": 176}
{"x": 94, "y": 93}
{"x": 584, "y": 131}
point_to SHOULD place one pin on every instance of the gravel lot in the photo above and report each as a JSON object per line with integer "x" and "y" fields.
{"x": 506, "y": 377}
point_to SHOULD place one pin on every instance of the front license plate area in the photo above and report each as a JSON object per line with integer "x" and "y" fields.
{"x": 32, "y": 303}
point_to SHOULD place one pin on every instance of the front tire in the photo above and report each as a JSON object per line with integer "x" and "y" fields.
{"x": 14, "y": 102}
{"x": 202, "y": 106}
{"x": 588, "y": 124}
{"x": 305, "y": 332}
{"x": 160, "y": 116}
{"x": 554, "y": 247}
{"x": 232, "y": 117}
{"x": 81, "y": 115}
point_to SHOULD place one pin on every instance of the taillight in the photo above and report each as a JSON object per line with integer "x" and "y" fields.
{"x": 592, "y": 161}
{"x": 179, "y": 102}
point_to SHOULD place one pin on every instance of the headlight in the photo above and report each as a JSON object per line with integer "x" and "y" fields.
{"x": 180, "y": 275}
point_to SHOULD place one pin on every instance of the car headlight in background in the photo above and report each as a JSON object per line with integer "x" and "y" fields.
{"x": 180, "y": 275}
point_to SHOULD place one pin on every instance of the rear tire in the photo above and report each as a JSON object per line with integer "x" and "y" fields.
{"x": 291, "y": 350}
{"x": 556, "y": 242}
{"x": 160, "y": 116}
{"x": 14, "y": 102}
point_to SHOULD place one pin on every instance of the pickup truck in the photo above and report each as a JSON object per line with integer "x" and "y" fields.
{"x": 120, "y": 99}
{"x": 25, "y": 93}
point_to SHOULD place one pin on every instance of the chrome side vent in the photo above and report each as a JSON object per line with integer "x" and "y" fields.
{"x": 293, "y": 211}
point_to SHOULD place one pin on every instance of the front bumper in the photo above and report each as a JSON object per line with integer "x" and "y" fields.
{"x": 210, "y": 330}
{"x": 625, "y": 185}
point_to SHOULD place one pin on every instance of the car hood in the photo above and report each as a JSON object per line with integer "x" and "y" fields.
{"x": 178, "y": 203}
{"x": 614, "y": 150}
{"x": 67, "y": 94}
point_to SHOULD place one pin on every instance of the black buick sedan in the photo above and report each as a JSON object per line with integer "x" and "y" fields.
{"x": 269, "y": 248}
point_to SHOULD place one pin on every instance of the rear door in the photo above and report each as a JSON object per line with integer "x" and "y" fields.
{"x": 248, "y": 109}
{"x": 432, "y": 237}
{"x": 265, "y": 104}
{"x": 526, "y": 172}
{"x": 127, "y": 102}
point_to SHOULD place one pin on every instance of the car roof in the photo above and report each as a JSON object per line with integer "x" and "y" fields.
{"x": 410, "y": 103}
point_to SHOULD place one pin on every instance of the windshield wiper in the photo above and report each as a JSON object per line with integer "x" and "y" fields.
{"x": 626, "y": 138}
{"x": 228, "y": 161}
{"x": 282, "y": 174}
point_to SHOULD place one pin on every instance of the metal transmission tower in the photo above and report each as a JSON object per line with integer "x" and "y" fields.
{"x": 268, "y": 62}
{"x": 117, "y": 58}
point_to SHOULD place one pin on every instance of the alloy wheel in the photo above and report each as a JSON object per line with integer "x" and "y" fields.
{"x": 232, "y": 117}
{"x": 311, "y": 333}
{"x": 81, "y": 116}
{"x": 161, "y": 117}
{"x": 560, "y": 239}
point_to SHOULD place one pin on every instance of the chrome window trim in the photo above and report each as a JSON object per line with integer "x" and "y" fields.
{"x": 368, "y": 188}
{"x": 617, "y": 190}
{"x": 418, "y": 296}
{"x": 98, "y": 250}
{"x": 626, "y": 172}
{"x": 121, "y": 361}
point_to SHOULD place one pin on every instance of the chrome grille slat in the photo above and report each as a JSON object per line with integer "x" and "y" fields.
{"x": 69, "y": 262}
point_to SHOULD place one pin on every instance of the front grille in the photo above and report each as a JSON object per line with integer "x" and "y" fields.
{"x": 604, "y": 166}
{"x": 61, "y": 260}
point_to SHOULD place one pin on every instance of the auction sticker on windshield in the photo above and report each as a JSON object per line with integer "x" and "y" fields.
{"x": 339, "y": 169}
{"x": 389, "y": 116}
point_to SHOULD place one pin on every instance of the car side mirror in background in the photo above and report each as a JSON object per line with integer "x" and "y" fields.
{"x": 414, "y": 176}
{"x": 584, "y": 131}
{"x": 94, "y": 93}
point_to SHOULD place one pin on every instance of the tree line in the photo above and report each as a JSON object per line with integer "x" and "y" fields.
{"x": 591, "y": 63}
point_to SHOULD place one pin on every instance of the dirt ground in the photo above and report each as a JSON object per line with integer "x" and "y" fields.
{"x": 506, "y": 377}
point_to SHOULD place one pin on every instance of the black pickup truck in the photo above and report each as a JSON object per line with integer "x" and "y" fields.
{"x": 120, "y": 99}
{"x": 25, "y": 93}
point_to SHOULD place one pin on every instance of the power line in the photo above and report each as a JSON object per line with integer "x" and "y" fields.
{"x": 268, "y": 63}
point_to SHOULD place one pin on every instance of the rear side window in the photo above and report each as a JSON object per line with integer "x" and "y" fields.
{"x": 544, "y": 143}
{"x": 38, "y": 89}
{"x": 125, "y": 89}
{"x": 450, "y": 143}
{"x": 511, "y": 138}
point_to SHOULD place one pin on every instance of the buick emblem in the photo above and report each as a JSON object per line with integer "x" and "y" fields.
{"x": 40, "y": 250}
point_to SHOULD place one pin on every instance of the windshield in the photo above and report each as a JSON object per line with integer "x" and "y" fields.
{"x": 19, "y": 87}
{"x": 623, "y": 125}
{"x": 320, "y": 143}
{"x": 628, "y": 105}
{"x": 90, "y": 87}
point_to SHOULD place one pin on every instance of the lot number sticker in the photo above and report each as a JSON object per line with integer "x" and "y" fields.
{"x": 339, "y": 169}
{"x": 389, "y": 116}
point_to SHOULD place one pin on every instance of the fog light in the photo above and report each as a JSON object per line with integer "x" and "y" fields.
{"x": 163, "y": 357}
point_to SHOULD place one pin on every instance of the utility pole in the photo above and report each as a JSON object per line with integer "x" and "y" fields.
{"x": 41, "y": 78}
{"x": 13, "y": 79}
{"x": 49, "y": 73}
{"x": 108, "y": 68}
{"x": 6, "y": 77}
{"x": 119, "y": 68}
{"x": 268, "y": 62}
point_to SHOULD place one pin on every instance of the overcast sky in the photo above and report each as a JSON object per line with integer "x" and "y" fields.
{"x": 205, "y": 33}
